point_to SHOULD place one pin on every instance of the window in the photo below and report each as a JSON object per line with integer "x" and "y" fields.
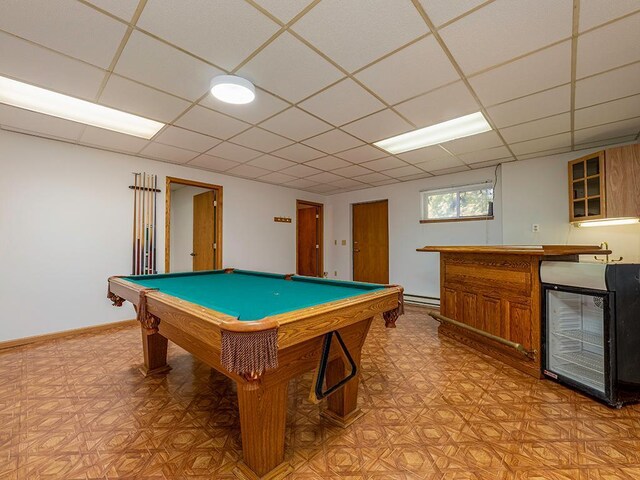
{"x": 467, "y": 202}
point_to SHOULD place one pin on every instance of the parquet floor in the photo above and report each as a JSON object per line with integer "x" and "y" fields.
{"x": 77, "y": 408}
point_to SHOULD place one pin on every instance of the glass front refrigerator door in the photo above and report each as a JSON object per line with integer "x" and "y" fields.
{"x": 576, "y": 325}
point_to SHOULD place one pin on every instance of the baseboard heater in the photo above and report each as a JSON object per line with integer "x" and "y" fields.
{"x": 423, "y": 300}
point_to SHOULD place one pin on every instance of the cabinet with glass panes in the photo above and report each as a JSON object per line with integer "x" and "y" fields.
{"x": 587, "y": 188}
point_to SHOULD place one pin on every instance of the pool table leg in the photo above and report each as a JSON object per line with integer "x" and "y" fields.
{"x": 343, "y": 404}
{"x": 154, "y": 347}
{"x": 263, "y": 415}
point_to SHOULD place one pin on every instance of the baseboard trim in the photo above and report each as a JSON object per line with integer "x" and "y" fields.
{"x": 66, "y": 333}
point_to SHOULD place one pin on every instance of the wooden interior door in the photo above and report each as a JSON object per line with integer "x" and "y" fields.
{"x": 204, "y": 231}
{"x": 371, "y": 242}
{"x": 309, "y": 239}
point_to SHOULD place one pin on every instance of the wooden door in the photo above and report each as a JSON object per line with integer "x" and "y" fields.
{"x": 204, "y": 234}
{"x": 371, "y": 242}
{"x": 309, "y": 239}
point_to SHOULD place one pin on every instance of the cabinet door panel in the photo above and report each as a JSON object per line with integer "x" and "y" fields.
{"x": 623, "y": 181}
{"x": 520, "y": 324}
{"x": 468, "y": 309}
{"x": 491, "y": 315}
{"x": 449, "y": 304}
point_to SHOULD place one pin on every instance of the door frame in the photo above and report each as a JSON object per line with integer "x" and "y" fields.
{"x": 353, "y": 266}
{"x": 320, "y": 233}
{"x": 167, "y": 218}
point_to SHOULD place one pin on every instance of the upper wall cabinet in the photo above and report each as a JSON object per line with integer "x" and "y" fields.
{"x": 605, "y": 184}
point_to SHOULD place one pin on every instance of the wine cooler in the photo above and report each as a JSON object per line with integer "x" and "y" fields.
{"x": 591, "y": 328}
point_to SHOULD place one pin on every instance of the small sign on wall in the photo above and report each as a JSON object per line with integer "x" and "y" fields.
{"x": 282, "y": 219}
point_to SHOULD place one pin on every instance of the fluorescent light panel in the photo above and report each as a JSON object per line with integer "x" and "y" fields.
{"x": 608, "y": 222}
{"x": 439, "y": 133}
{"x": 40, "y": 100}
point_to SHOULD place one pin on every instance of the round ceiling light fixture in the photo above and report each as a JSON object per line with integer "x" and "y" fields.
{"x": 233, "y": 89}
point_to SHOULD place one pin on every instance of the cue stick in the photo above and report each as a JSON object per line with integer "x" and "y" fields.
{"x": 140, "y": 206}
{"x": 138, "y": 200}
{"x": 145, "y": 209}
{"x": 133, "y": 246}
{"x": 155, "y": 219}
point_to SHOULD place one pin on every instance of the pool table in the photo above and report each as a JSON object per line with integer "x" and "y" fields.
{"x": 261, "y": 330}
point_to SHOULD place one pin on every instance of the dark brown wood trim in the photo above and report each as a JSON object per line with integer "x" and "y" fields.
{"x": 167, "y": 218}
{"x": 65, "y": 333}
{"x": 457, "y": 219}
{"x": 320, "y": 232}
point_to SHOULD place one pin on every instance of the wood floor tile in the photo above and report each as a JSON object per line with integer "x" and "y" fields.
{"x": 78, "y": 408}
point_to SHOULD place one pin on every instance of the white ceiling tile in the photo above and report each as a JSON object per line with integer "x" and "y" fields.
{"x": 284, "y": 10}
{"x": 223, "y": 32}
{"x": 300, "y": 183}
{"x": 26, "y": 121}
{"x": 296, "y": 124}
{"x": 322, "y": 188}
{"x": 474, "y": 142}
{"x": 609, "y": 46}
{"x": 607, "y": 86}
{"x": 212, "y": 123}
{"x": 547, "y": 143}
{"x": 167, "y": 152}
{"x": 553, "y": 151}
{"x": 415, "y": 176}
{"x": 543, "y": 104}
{"x": 134, "y": 98}
{"x": 179, "y": 137}
{"x": 328, "y": 163}
{"x": 490, "y": 163}
{"x": 361, "y": 154}
{"x": 298, "y": 153}
{"x": 372, "y": 177}
{"x": 597, "y": 12}
{"x": 403, "y": 171}
{"x": 385, "y": 182}
{"x": 538, "y": 128}
{"x": 343, "y": 102}
{"x": 154, "y": 63}
{"x": 100, "y": 137}
{"x": 324, "y": 177}
{"x": 610, "y": 130}
{"x": 120, "y": 8}
{"x": 277, "y": 178}
{"x": 300, "y": 171}
{"x": 213, "y": 163}
{"x": 263, "y": 106}
{"x": 620, "y": 109}
{"x": 346, "y": 183}
{"x": 306, "y": 71}
{"x": 485, "y": 155}
{"x": 378, "y": 126}
{"x": 441, "y": 11}
{"x": 415, "y": 69}
{"x": 439, "y": 164}
{"x": 546, "y": 153}
{"x": 444, "y": 104}
{"x": 234, "y": 152}
{"x": 350, "y": 32}
{"x": 608, "y": 141}
{"x": 247, "y": 171}
{"x": 545, "y": 69}
{"x": 333, "y": 141}
{"x": 423, "y": 154}
{"x": 447, "y": 171}
{"x": 271, "y": 163}
{"x": 26, "y": 62}
{"x": 352, "y": 171}
{"x": 506, "y": 29}
{"x": 384, "y": 164}
{"x": 262, "y": 140}
{"x": 67, "y": 26}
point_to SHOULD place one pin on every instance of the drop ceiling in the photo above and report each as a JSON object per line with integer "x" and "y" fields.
{"x": 332, "y": 77}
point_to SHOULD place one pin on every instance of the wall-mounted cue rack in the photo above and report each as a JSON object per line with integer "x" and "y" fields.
{"x": 145, "y": 207}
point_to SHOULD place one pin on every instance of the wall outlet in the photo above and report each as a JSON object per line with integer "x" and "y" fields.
{"x": 535, "y": 227}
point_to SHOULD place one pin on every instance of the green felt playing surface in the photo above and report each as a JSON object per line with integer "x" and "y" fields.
{"x": 252, "y": 295}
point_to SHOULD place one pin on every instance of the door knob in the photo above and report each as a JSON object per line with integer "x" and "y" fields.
{"x": 193, "y": 254}
{"x": 356, "y": 250}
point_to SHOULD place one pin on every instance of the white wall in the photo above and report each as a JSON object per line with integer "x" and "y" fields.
{"x": 66, "y": 221}
{"x": 417, "y": 272}
{"x": 182, "y": 228}
{"x": 535, "y": 191}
